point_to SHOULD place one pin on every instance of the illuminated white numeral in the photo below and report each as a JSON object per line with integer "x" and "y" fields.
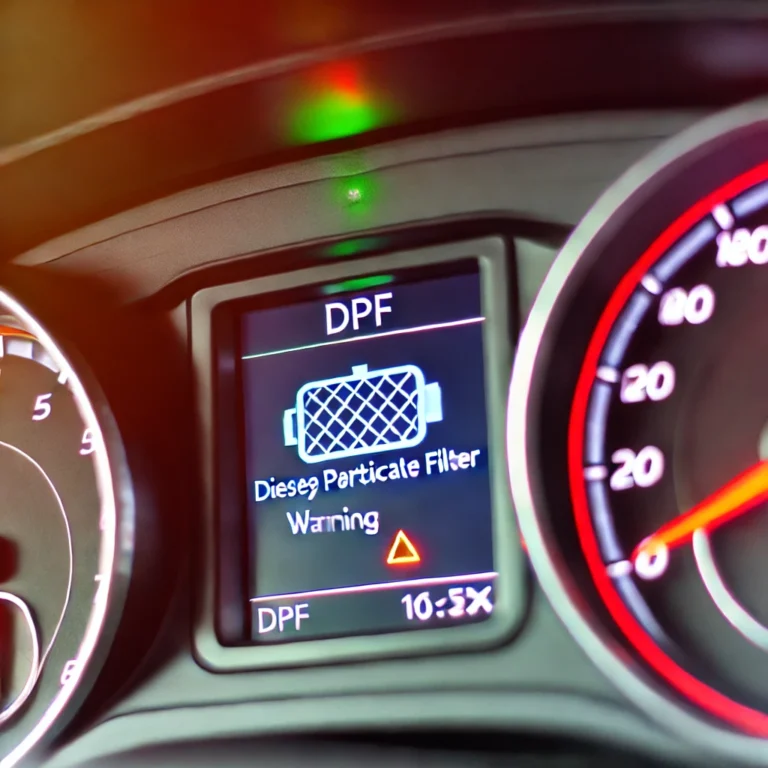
{"x": 42, "y": 407}
{"x": 672, "y": 307}
{"x": 650, "y": 564}
{"x": 102, "y": 589}
{"x": 419, "y": 607}
{"x": 86, "y": 445}
{"x": 735, "y": 249}
{"x": 422, "y": 606}
{"x": 700, "y": 304}
{"x": 71, "y": 668}
{"x": 695, "y": 306}
{"x": 458, "y": 602}
{"x": 643, "y": 468}
{"x": 639, "y": 382}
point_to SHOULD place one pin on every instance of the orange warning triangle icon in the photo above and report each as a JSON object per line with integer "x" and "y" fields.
{"x": 402, "y": 550}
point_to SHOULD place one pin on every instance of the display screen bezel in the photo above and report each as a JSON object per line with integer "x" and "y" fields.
{"x": 222, "y": 632}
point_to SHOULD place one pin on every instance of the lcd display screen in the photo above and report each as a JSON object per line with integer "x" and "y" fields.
{"x": 366, "y": 461}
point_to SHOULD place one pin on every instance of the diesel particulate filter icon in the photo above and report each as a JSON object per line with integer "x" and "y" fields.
{"x": 362, "y": 413}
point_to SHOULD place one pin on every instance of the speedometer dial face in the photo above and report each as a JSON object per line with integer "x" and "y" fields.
{"x": 668, "y": 452}
{"x": 638, "y": 432}
{"x": 64, "y": 544}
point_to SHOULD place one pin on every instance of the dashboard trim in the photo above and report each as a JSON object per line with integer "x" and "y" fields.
{"x": 543, "y": 713}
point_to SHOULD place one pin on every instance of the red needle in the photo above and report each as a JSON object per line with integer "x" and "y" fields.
{"x": 735, "y": 498}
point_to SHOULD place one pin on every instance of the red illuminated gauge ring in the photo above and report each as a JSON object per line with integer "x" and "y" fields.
{"x": 745, "y": 718}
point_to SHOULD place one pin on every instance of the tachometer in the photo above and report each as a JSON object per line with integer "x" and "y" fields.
{"x": 65, "y": 532}
{"x": 639, "y": 429}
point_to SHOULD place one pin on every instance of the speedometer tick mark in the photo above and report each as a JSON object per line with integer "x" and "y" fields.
{"x": 607, "y": 374}
{"x": 619, "y": 569}
{"x": 651, "y": 284}
{"x": 723, "y": 216}
{"x": 598, "y": 472}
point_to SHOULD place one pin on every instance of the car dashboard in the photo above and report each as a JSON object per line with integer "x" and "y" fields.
{"x": 395, "y": 396}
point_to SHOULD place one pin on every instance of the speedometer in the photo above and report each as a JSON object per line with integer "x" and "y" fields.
{"x": 65, "y": 533}
{"x": 638, "y": 432}
{"x": 667, "y": 445}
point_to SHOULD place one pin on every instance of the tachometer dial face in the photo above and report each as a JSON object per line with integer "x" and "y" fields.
{"x": 640, "y": 404}
{"x": 64, "y": 544}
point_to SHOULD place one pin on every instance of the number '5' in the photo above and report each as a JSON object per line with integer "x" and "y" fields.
{"x": 42, "y": 407}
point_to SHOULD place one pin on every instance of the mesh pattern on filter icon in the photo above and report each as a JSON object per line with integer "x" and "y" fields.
{"x": 367, "y": 412}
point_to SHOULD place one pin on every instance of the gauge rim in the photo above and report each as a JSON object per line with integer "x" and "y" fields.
{"x": 116, "y": 491}
{"x": 652, "y": 696}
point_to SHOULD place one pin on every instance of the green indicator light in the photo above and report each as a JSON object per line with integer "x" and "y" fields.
{"x": 358, "y": 284}
{"x": 333, "y": 116}
{"x": 354, "y": 247}
{"x": 357, "y": 195}
{"x": 333, "y": 104}
{"x": 354, "y": 194}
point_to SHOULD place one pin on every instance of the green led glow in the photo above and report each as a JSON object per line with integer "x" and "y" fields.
{"x": 358, "y": 284}
{"x": 356, "y": 194}
{"x": 354, "y": 247}
{"x": 334, "y": 115}
{"x": 334, "y": 102}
